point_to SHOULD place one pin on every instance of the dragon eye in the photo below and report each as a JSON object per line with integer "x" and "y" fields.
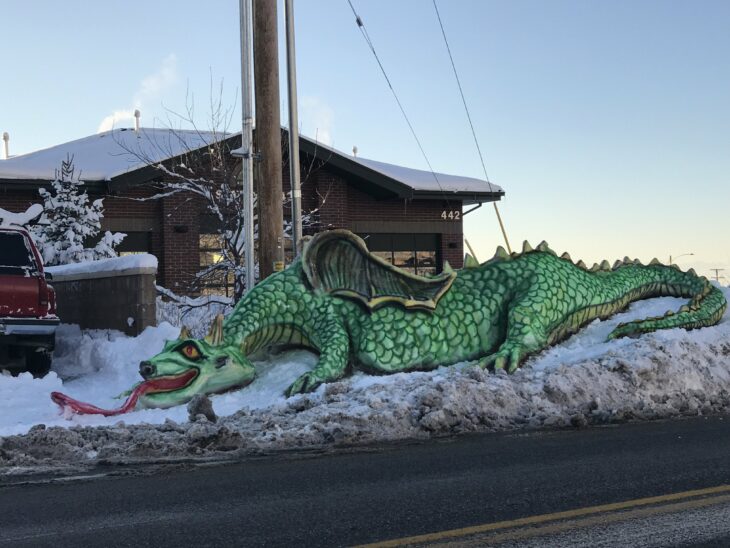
{"x": 190, "y": 352}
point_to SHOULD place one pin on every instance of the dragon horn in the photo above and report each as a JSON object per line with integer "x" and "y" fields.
{"x": 215, "y": 337}
{"x": 184, "y": 333}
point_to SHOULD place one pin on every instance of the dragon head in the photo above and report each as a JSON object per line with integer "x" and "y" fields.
{"x": 188, "y": 366}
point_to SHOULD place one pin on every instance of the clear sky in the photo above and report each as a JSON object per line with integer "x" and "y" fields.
{"x": 607, "y": 123}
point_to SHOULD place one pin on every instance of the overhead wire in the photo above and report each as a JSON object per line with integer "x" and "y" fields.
{"x": 471, "y": 124}
{"x": 365, "y": 34}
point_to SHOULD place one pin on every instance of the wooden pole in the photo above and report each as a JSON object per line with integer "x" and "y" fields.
{"x": 268, "y": 137}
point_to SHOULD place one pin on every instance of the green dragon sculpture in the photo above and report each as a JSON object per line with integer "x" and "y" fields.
{"x": 354, "y": 308}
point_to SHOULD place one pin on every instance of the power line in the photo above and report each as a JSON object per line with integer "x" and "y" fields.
{"x": 461, "y": 92}
{"x": 365, "y": 34}
{"x": 471, "y": 124}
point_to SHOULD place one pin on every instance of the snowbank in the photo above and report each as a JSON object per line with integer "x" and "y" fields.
{"x": 15, "y": 220}
{"x": 582, "y": 381}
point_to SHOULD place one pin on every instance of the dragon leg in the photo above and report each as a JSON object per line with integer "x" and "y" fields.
{"x": 333, "y": 343}
{"x": 526, "y": 334}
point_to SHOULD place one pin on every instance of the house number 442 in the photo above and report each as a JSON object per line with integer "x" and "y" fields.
{"x": 450, "y": 215}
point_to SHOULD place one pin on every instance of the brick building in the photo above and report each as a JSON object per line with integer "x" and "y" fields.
{"x": 410, "y": 217}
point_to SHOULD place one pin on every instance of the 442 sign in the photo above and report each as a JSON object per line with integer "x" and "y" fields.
{"x": 451, "y": 215}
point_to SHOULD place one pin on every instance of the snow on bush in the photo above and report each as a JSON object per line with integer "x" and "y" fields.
{"x": 584, "y": 380}
{"x": 69, "y": 221}
{"x": 195, "y": 313}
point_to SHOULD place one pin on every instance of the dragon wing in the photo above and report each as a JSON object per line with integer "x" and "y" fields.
{"x": 338, "y": 262}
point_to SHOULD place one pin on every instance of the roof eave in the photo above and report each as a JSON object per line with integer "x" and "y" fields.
{"x": 35, "y": 184}
{"x": 466, "y": 197}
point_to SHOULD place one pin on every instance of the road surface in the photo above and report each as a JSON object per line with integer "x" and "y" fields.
{"x": 649, "y": 484}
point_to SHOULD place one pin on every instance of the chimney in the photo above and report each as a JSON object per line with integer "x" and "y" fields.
{"x": 354, "y": 151}
{"x": 6, "y": 138}
{"x": 137, "y": 114}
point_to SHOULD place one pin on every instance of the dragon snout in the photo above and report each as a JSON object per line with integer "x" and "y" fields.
{"x": 146, "y": 369}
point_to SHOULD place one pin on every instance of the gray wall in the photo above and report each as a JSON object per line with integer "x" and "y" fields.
{"x": 123, "y": 300}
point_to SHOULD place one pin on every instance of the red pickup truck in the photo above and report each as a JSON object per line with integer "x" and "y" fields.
{"x": 28, "y": 318}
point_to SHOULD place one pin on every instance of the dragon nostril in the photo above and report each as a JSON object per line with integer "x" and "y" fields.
{"x": 146, "y": 369}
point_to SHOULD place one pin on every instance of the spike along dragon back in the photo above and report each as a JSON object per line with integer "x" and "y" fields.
{"x": 354, "y": 308}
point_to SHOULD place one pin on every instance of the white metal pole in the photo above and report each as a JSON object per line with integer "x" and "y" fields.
{"x": 246, "y": 143}
{"x": 291, "y": 70}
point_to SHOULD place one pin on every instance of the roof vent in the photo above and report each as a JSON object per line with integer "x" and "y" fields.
{"x": 137, "y": 114}
{"x": 354, "y": 151}
{"x": 6, "y": 138}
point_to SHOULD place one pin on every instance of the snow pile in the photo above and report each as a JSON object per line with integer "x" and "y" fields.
{"x": 582, "y": 381}
{"x": 10, "y": 219}
{"x": 116, "y": 265}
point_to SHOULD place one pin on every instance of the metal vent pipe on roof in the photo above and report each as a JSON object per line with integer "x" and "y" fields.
{"x": 137, "y": 114}
{"x": 6, "y": 138}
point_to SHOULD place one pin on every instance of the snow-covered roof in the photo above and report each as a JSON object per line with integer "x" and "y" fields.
{"x": 106, "y": 155}
{"x": 110, "y": 154}
{"x": 417, "y": 181}
{"x": 427, "y": 181}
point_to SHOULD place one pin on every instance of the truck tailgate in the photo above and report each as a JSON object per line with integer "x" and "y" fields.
{"x": 19, "y": 296}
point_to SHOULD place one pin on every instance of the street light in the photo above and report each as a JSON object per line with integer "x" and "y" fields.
{"x": 678, "y": 256}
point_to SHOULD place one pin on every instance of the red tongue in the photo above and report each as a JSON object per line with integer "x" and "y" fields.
{"x": 160, "y": 384}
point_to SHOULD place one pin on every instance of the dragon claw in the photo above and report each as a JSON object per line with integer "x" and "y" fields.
{"x": 305, "y": 383}
{"x": 506, "y": 359}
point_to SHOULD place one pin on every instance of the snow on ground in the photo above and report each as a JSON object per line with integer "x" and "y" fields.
{"x": 584, "y": 380}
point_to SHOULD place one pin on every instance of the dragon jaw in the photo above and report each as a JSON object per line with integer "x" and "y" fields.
{"x": 187, "y": 367}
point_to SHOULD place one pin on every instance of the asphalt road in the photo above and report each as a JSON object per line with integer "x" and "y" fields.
{"x": 556, "y": 484}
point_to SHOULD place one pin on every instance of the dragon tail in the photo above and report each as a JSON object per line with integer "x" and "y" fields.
{"x": 706, "y": 307}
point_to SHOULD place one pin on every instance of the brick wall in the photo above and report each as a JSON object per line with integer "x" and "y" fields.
{"x": 180, "y": 238}
{"x": 174, "y": 222}
{"x": 344, "y": 205}
{"x": 18, "y": 200}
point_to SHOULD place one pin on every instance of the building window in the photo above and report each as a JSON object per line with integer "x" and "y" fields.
{"x": 135, "y": 243}
{"x": 414, "y": 253}
{"x": 216, "y": 282}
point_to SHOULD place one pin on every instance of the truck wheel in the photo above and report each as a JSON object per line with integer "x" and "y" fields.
{"x": 38, "y": 363}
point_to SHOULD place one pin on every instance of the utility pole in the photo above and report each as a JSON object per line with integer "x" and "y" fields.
{"x": 291, "y": 73}
{"x": 717, "y": 273}
{"x": 246, "y": 143}
{"x": 268, "y": 137}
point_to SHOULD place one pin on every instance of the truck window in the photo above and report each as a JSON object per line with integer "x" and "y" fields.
{"x": 15, "y": 257}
